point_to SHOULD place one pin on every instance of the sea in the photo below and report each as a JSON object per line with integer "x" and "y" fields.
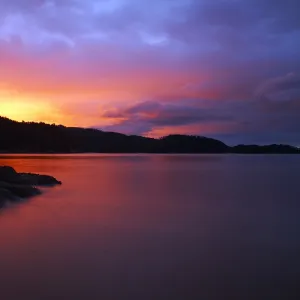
{"x": 150, "y": 227}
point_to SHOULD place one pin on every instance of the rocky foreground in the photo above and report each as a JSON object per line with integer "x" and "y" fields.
{"x": 16, "y": 186}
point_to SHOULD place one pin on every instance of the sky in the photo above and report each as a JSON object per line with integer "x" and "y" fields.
{"x": 228, "y": 69}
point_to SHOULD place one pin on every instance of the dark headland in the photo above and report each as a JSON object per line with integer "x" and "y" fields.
{"x": 16, "y": 186}
{"x": 30, "y": 137}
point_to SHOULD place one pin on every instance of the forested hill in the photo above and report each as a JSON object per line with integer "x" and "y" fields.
{"x": 24, "y": 137}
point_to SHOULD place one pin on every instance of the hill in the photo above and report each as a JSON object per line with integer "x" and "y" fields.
{"x": 30, "y": 137}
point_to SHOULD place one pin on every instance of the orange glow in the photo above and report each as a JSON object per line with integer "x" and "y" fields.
{"x": 59, "y": 89}
{"x": 26, "y": 111}
{"x": 195, "y": 129}
{"x": 19, "y": 110}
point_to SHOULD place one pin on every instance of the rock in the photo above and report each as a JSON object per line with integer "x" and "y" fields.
{"x": 8, "y": 174}
{"x": 22, "y": 191}
{"x": 36, "y": 179}
{"x": 14, "y": 186}
{"x": 6, "y": 195}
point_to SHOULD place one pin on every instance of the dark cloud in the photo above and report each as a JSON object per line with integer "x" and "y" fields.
{"x": 144, "y": 117}
{"x": 160, "y": 114}
{"x": 283, "y": 88}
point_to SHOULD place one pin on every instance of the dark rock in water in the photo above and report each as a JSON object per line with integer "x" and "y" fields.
{"x": 36, "y": 179}
{"x": 19, "y": 190}
{"x": 8, "y": 174}
{"x": 14, "y": 186}
{"x": 6, "y": 195}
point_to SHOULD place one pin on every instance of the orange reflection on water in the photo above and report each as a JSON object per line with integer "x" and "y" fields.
{"x": 150, "y": 227}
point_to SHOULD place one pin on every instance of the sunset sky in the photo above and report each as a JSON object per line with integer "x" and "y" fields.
{"x": 228, "y": 69}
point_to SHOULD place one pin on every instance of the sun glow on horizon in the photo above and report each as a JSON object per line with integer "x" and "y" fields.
{"x": 23, "y": 108}
{"x": 27, "y": 108}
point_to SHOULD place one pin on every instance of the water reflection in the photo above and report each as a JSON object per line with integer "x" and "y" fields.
{"x": 154, "y": 227}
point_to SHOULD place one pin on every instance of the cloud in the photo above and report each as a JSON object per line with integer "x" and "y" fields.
{"x": 98, "y": 62}
{"x": 142, "y": 118}
{"x": 282, "y": 88}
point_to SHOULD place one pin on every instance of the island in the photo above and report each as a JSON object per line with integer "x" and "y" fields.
{"x": 16, "y": 186}
{"x": 31, "y": 137}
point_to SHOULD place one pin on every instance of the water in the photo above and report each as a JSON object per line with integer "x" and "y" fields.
{"x": 154, "y": 227}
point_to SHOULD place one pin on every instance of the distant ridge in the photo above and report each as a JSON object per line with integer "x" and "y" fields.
{"x": 30, "y": 137}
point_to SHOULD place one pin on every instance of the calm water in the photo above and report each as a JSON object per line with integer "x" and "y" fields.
{"x": 155, "y": 227}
